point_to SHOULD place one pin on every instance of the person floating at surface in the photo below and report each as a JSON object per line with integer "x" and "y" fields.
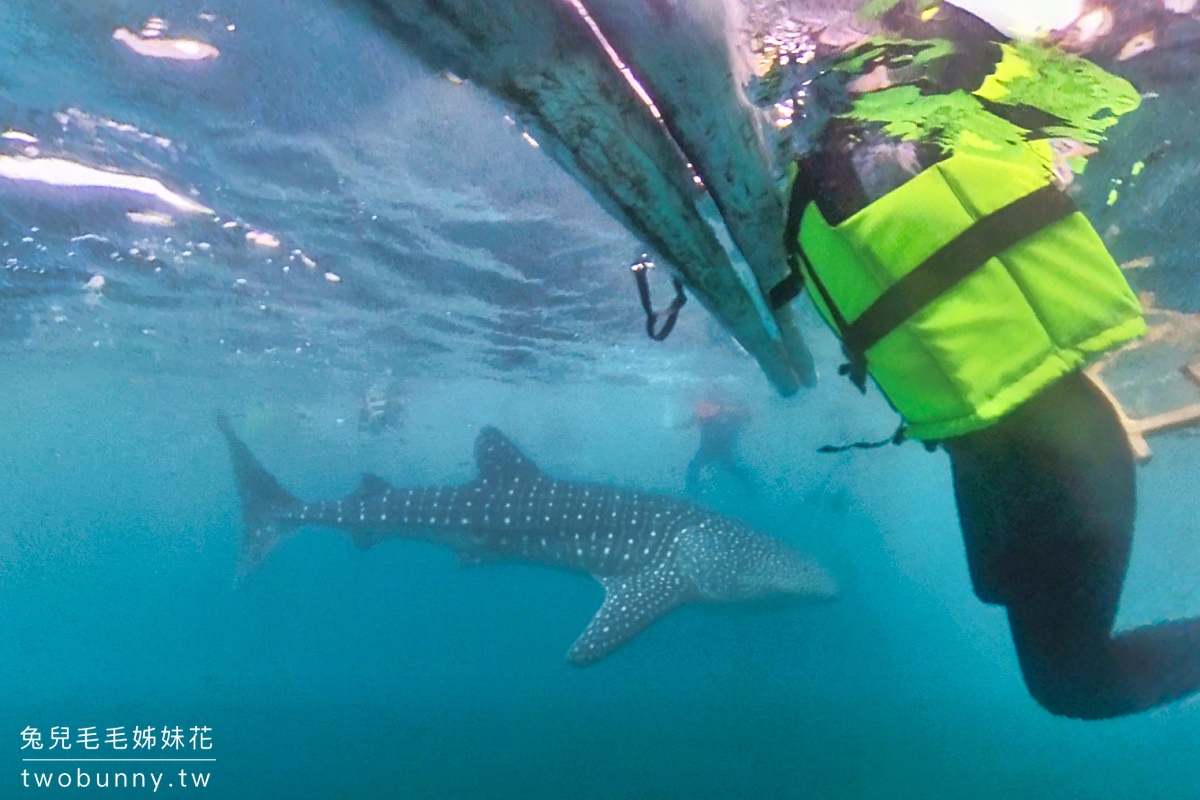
{"x": 383, "y": 408}
{"x": 720, "y": 423}
{"x": 929, "y": 226}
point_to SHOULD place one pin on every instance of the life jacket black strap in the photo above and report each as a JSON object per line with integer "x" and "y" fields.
{"x": 987, "y": 238}
{"x": 800, "y": 196}
{"x": 804, "y": 191}
{"x": 826, "y": 177}
{"x": 787, "y": 289}
{"x": 670, "y": 314}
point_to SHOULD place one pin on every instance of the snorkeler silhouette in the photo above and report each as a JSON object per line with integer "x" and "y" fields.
{"x": 720, "y": 423}
{"x": 383, "y": 408}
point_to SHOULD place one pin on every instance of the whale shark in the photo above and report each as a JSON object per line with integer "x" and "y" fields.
{"x": 652, "y": 553}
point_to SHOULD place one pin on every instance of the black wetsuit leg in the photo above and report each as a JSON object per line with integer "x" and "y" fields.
{"x": 711, "y": 454}
{"x": 741, "y": 475}
{"x": 1047, "y": 499}
{"x": 697, "y": 464}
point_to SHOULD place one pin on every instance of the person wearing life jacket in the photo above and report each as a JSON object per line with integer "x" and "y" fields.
{"x": 931, "y": 230}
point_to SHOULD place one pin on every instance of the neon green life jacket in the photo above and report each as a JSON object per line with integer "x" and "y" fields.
{"x": 976, "y": 284}
{"x": 967, "y": 291}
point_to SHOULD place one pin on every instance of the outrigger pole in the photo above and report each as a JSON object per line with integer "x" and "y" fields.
{"x": 1138, "y": 429}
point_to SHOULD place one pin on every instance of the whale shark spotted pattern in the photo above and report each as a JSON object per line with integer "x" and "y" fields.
{"x": 651, "y": 553}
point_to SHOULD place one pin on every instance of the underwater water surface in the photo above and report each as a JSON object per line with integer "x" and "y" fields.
{"x": 328, "y": 225}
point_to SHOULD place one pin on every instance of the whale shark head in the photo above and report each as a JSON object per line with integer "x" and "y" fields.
{"x": 731, "y": 561}
{"x": 786, "y": 571}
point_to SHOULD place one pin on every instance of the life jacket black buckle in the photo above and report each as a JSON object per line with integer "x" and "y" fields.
{"x": 855, "y": 369}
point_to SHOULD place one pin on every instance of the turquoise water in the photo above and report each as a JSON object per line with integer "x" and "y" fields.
{"x": 394, "y": 672}
{"x": 489, "y": 289}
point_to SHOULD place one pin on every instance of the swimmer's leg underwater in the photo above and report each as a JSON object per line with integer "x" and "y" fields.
{"x": 728, "y": 462}
{"x": 1047, "y": 500}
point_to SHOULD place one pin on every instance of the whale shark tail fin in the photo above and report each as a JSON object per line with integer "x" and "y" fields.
{"x": 267, "y": 507}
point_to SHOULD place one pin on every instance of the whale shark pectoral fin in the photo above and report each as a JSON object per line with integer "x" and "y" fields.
{"x": 632, "y": 604}
{"x": 499, "y": 459}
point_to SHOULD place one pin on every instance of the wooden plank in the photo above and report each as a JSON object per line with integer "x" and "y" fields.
{"x": 1141, "y": 449}
{"x": 1138, "y": 429}
{"x": 1170, "y": 420}
{"x": 1193, "y": 371}
{"x": 1137, "y": 442}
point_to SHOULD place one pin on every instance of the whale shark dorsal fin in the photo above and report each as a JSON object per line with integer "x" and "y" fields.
{"x": 499, "y": 459}
{"x": 372, "y": 484}
{"x": 632, "y": 603}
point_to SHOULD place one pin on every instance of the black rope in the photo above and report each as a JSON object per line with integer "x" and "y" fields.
{"x": 670, "y": 314}
{"x": 896, "y": 438}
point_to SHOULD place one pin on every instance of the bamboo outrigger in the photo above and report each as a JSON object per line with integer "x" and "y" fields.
{"x": 1138, "y": 428}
